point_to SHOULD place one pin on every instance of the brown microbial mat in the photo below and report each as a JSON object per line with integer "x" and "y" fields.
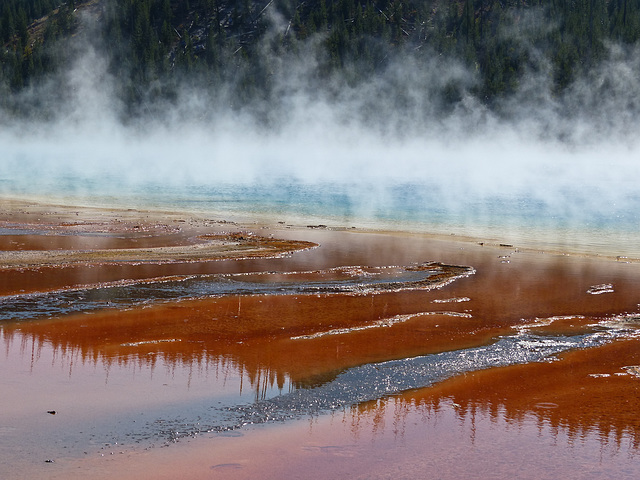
{"x": 156, "y": 345}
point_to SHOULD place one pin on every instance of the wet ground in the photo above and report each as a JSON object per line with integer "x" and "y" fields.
{"x": 106, "y": 361}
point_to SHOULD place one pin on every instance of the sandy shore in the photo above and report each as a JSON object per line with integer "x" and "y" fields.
{"x": 184, "y": 354}
{"x": 48, "y": 235}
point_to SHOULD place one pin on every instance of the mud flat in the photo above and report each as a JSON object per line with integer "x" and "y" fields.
{"x": 284, "y": 351}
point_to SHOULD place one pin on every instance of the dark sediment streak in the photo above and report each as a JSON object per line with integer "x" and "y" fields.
{"x": 346, "y": 280}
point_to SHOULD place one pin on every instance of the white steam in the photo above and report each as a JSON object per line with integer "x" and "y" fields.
{"x": 576, "y": 154}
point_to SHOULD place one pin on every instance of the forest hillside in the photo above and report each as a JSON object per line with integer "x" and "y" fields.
{"x": 255, "y": 53}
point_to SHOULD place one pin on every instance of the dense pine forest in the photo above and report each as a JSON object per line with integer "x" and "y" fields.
{"x": 240, "y": 50}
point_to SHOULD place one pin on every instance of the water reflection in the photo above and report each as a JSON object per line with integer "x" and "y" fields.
{"x": 536, "y": 421}
{"x": 427, "y": 436}
{"x": 398, "y": 414}
{"x": 589, "y": 395}
{"x": 171, "y": 358}
{"x": 104, "y": 395}
{"x": 159, "y": 369}
{"x": 210, "y": 376}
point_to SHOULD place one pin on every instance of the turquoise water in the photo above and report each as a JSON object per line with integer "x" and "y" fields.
{"x": 572, "y": 226}
{"x": 534, "y": 194}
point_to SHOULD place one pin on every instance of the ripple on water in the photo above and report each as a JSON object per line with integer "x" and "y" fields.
{"x": 377, "y": 380}
{"x": 600, "y": 289}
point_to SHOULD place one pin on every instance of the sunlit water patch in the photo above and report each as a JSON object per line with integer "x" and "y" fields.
{"x": 600, "y": 289}
{"x": 377, "y": 380}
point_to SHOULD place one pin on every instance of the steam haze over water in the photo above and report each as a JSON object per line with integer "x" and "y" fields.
{"x": 381, "y": 153}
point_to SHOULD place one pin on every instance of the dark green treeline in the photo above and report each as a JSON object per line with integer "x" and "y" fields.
{"x": 152, "y": 45}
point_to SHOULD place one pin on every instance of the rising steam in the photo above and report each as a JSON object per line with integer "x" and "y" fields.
{"x": 569, "y": 155}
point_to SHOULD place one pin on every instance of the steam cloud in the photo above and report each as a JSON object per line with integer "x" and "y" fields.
{"x": 575, "y": 154}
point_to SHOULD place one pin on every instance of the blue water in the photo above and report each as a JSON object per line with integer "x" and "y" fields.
{"x": 549, "y": 211}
